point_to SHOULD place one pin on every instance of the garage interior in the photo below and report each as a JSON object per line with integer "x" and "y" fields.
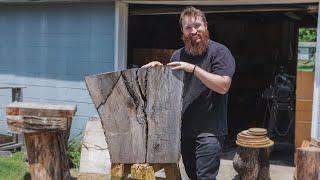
{"x": 264, "y": 42}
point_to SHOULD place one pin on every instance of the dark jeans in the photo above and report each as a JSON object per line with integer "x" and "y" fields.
{"x": 201, "y": 156}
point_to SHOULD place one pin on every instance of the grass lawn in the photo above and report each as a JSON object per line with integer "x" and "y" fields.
{"x": 14, "y": 167}
{"x": 17, "y": 168}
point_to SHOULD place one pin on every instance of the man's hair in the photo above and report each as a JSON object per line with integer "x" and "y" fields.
{"x": 192, "y": 11}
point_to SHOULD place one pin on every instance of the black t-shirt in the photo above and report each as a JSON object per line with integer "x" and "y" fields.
{"x": 204, "y": 111}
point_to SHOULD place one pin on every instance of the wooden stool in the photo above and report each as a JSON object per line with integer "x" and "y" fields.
{"x": 252, "y": 163}
{"x": 46, "y": 129}
{"x": 252, "y": 157}
{"x": 308, "y": 163}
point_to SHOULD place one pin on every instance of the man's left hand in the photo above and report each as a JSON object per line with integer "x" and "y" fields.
{"x": 182, "y": 65}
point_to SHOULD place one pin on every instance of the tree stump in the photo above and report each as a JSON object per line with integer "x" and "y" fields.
{"x": 46, "y": 128}
{"x": 308, "y": 163}
{"x": 252, "y": 163}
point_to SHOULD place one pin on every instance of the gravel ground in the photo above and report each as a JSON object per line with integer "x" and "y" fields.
{"x": 280, "y": 167}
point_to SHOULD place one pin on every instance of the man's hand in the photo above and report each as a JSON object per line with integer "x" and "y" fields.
{"x": 182, "y": 65}
{"x": 152, "y": 64}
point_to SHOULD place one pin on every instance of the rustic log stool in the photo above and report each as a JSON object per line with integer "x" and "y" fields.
{"x": 251, "y": 160}
{"x": 46, "y": 128}
{"x": 252, "y": 163}
{"x": 308, "y": 163}
{"x": 307, "y": 160}
{"x": 140, "y": 110}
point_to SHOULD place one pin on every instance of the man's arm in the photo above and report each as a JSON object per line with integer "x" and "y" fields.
{"x": 217, "y": 83}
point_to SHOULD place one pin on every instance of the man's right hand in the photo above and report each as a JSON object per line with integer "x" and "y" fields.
{"x": 152, "y": 64}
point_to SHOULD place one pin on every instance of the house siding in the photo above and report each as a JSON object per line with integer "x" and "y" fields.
{"x": 50, "y": 48}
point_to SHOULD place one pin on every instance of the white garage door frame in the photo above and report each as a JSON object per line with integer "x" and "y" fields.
{"x": 121, "y": 30}
{"x": 315, "y": 126}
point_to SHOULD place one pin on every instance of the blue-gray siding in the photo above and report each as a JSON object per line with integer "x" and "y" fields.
{"x": 50, "y": 48}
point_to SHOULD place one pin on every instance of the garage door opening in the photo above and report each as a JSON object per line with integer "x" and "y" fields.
{"x": 264, "y": 42}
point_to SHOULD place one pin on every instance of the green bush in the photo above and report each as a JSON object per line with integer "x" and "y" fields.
{"x": 308, "y": 34}
{"x": 74, "y": 150}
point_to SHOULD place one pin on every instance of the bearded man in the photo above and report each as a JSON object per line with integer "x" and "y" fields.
{"x": 210, "y": 67}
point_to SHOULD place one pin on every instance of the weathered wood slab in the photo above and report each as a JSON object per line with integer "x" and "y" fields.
{"x": 43, "y": 110}
{"x": 163, "y": 112}
{"x": 123, "y": 123}
{"x": 18, "y": 124}
{"x": 102, "y": 83}
{"x": 140, "y": 111}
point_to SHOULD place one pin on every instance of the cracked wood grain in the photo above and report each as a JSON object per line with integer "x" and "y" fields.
{"x": 140, "y": 111}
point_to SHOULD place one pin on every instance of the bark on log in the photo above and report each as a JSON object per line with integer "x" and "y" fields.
{"x": 33, "y": 124}
{"x": 308, "y": 163}
{"x": 140, "y": 110}
{"x": 47, "y": 155}
{"x": 252, "y": 163}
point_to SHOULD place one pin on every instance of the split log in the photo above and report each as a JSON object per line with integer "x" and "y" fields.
{"x": 308, "y": 163}
{"x": 142, "y": 172}
{"x": 140, "y": 110}
{"x": 252, "y": 163}
{"x": 46, "y": 131}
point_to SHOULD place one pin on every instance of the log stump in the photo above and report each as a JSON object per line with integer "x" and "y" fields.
{"x": 252, "y": 163}
{"x": 308, "y": 163}
{"x": 46, "y": 129}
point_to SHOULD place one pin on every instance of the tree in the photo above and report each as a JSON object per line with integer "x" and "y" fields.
{"x": 308, "y": 34}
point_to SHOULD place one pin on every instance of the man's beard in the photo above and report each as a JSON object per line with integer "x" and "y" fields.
{"x": 196, "y": 48}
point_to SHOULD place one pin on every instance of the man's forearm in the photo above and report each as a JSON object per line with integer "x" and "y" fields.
{"x": 217, "y": 83}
